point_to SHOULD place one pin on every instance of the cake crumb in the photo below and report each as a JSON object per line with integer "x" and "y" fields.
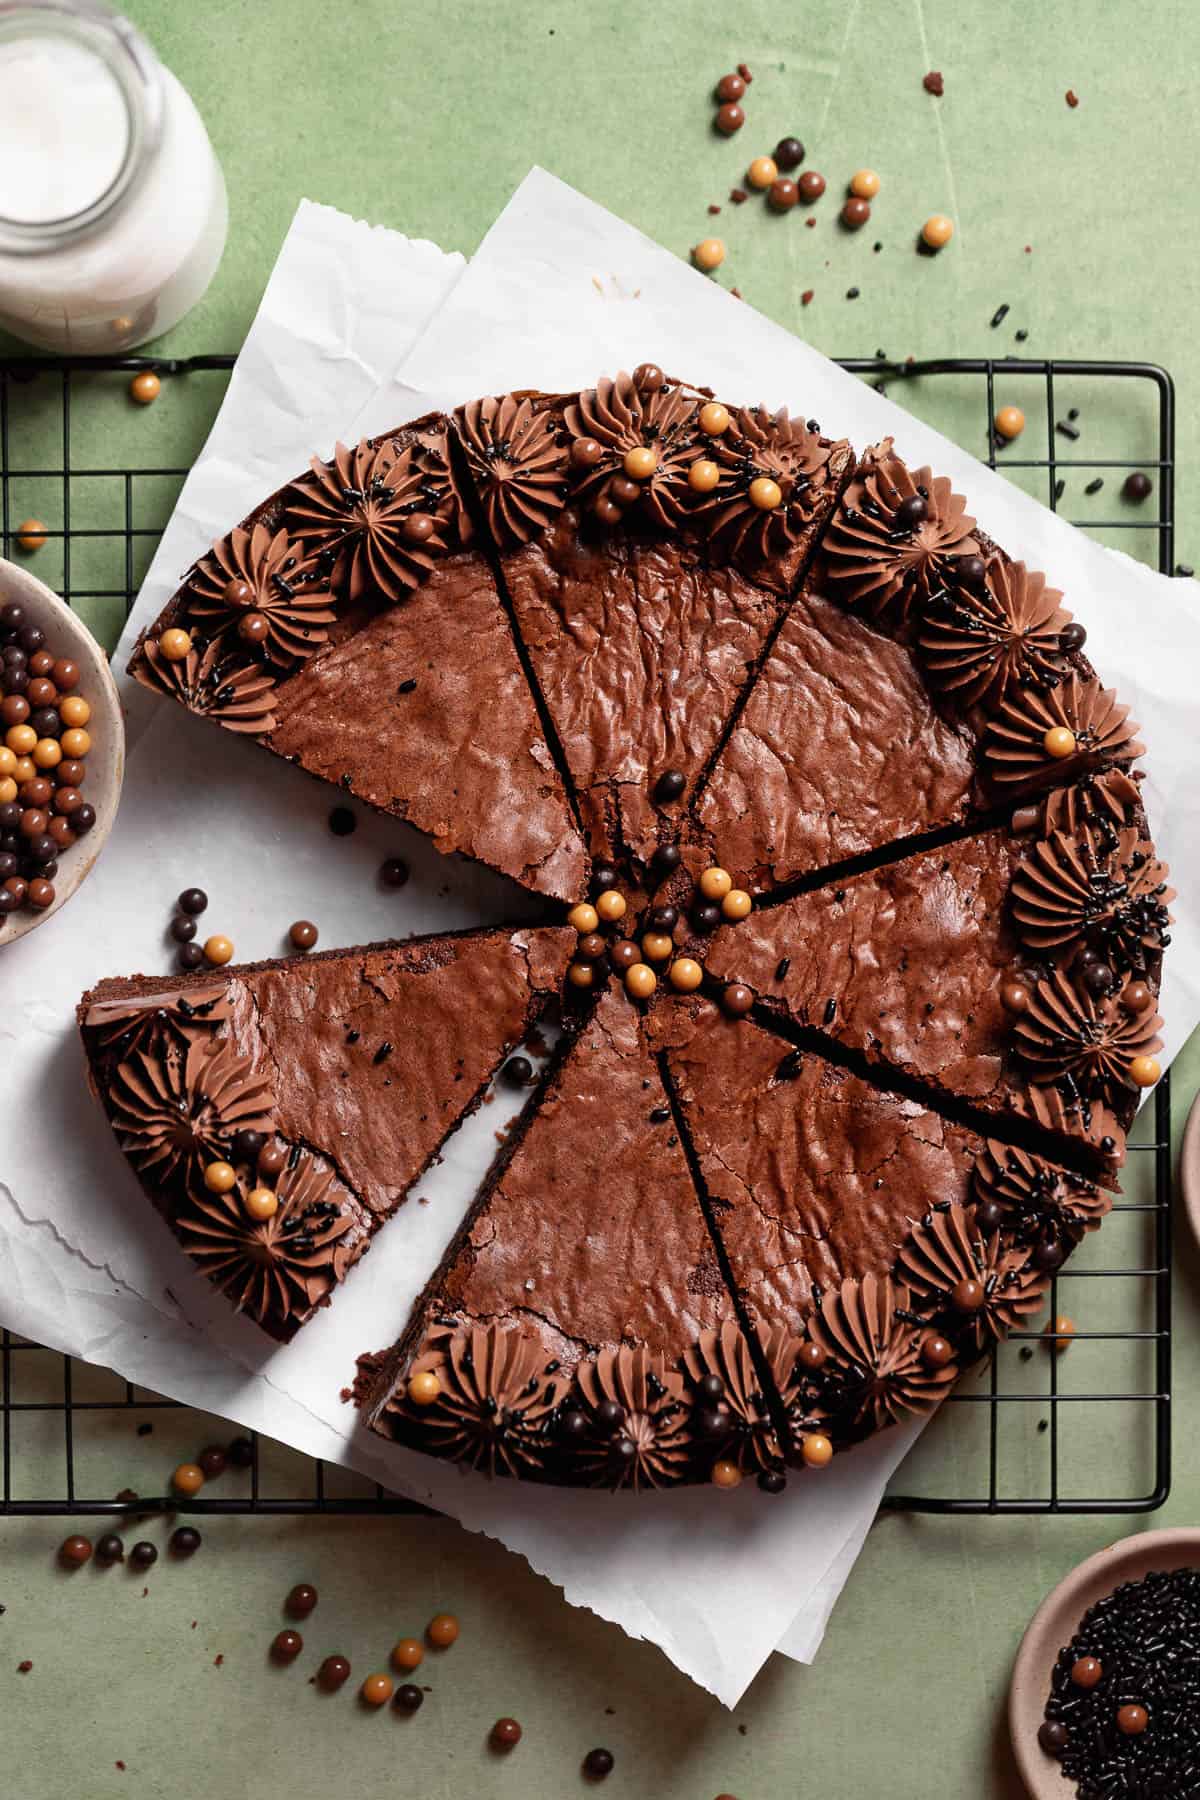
{"x": 745, "y": 74}
{"x": 23, "y": 1668}
{"x": 218, "y": 1661}
{"x": 738, "y": 195}
{"x": 806, "y": 297}
{"x": 713, "y": 209}
{"x": 934, "y": 84}
{"x": 811, "y": 222}
{"x": 119, "y": 1765}
{"x": 1072, "y": 98}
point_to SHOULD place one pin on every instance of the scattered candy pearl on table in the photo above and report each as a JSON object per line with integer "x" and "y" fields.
{"x": 1137, "y": 486}
{"x": 377, "y": 1690}
{"x": 442, "y": 1630}
{"x": 762, "y": 172}
{"x": 811, "y": 186}
{"x": 145, "y": 388}
{"x": 783, "y": 194}
{"x": 709, "y": 254}
{"x": 726, "y": 1474}
{"x": 31, "y": 536}
{"x": 409, "y": 1698}
{"x": 937, "y": 231}
{"x": 730, "y": 87}
{"x": 1010, "y": 422}
{"x": 789, "y": 153}
{"x": 506, "y": 1734}
{"x": 730, "y": 118}
{"x": 75, "y": 1551}
{"x": 143, "y": 1555}
{"x": 218, "y": 950}
{"x": 333, "y": 1673}
{"x": 185, "y": 1540}
{"x": 188, "y": 1478}
{"x": 408, "y": 1653}
{"x": 286, "y": 1646}
{"x": 213, "y": 1461}
{"x": 864, "y": 184}
{"x": 303, "y": 934}
{"x": 815, "y": 1450}
{"x": 1059, "y": 1334}
{"x": 855, "y": 213}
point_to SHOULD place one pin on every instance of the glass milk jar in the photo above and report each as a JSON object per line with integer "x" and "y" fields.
{"x": 112, "y": 203}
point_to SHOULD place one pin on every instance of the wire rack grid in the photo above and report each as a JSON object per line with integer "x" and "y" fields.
{"x": 1123, "y": 1294}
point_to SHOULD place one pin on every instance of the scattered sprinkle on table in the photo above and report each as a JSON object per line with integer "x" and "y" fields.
{"x": 1000, "y": 314}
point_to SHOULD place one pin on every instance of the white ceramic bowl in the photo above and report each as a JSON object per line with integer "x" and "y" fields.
{"x": 67, "y": 635}
{"x": 1189, "y": 1167}
{"x": 1055, "y": 1624}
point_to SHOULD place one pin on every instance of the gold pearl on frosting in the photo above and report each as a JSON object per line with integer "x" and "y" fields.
{"x": 1144, "y": 1071}
{"x": 583, "y": 917}
{"x": 765, "y": 493}
{"x": 640, "y": 462}
{"x": 219, "y": 1177}
{"x": 715, "y": 883}
{"x": 703, "y": 476}
{"x": 640, "y": 981}
{"x": 175, "y": 644}
{"x": 737, "y": 904}
{"x": 1059, "y": 742}
{"x": 611, "y": 906}
{"x": 261, "y": 1204}
{"x": 726, "y": 1474}
{"x": 714, "y": 418}
{"x": 685, "y": 974}
{"x": 816, "y": 1450}
{"x": 423, "y": 1390}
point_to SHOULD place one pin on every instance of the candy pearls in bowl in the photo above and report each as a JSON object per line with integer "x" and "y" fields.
{"x": 62, "y": 753}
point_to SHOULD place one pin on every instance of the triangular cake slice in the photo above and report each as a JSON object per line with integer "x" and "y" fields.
{"x": 346, "y": 626}
{"x": 1012, "y": 976}
{"x": 320, "y": 1088}
{"x": 575, "y": 1316}
{"x": 648, "y": 539}
{"x": 834, "y": 1200}
{"x": 913, "y": 687}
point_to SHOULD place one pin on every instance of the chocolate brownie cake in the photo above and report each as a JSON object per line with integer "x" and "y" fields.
{"x": 862, "y": 944}
{"x": 277, "y": 1114}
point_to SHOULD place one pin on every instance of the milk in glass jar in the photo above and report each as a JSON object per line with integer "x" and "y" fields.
{"x": 112, "y": 203}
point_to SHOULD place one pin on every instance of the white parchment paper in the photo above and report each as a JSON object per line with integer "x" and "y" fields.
{"x": 360, "y": 329}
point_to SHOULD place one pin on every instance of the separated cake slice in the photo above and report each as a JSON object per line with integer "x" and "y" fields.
{"x": 277, "y": 1114}
{"x": 346, "y": 626}
{"x": 648, "y": 539}
{"x": 579, "y": 1327}
{"x": 1015, "y": 976}
{"x": 895, "y": 1244}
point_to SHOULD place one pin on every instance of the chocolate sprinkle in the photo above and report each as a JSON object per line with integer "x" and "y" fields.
{"x": 1067, "y": 429}
{"x": 1093, "y": 487}
{"x": 1000, "y": 314}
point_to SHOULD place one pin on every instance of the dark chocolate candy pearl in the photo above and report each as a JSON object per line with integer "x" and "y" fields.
{"x": 607, "y": 511}
{"x": 669, "y": 786}
{"x": 302, "y": 1600}
{"x": 598, "y": 1763}
{"x": 192, "y": 901}
{"x": 247, "y": 1144}
{"x": 706, "y": 916}
{"x": 610, "y": 1416}
{"x": 213, "y": 1460}
{"x": 1136, "y": 487}
{"x": 711, "y": 1421}
{"x": 342, "y": 821}
{"x": 1072, "y": 636}
{"x": 971, "y": 571}
{"x": 624, "y": 491}
{"x": 591, "y": 946}
{"x": 84, "y": 819}
{"x": 789, "y": 154}
{"x": 772, "y": 1481}
{"x": 183, "y": 929}
{"x": 648, "y": 378}
{"x": 811, "y": 186}
{"x": 286, "y": 1646}
{"x": 710, "y": 1389}
{"x": 989, "y": 1215}
{"x": 409, "y": 1697}
{"x": 572, "y": 1424}
{"x": 1053, "y": 1737}
{"x": 12, "y": 615}
{"x": 46, "y": 722}
{"x": 190, "y": 956}
{"x": 664, "y": 918}
{"x": 666, "y": 859}
{"x": 855, "y": 213}
{"x": 31, "y": 638}
{"x": 143, "y": 1555}
{"x": 241, "y": 1450}
{"x": 303, "y": 934}
{"x": 1048, "y": 1254}
{"x": 73, "y": 1552}
{"x": 506, "y": 1733}
{"x": 585, "y": 453}
{"x": 185, "y": 1541}
{"x": 272, "y": 1160}
{"x": 911, "y": 512}
{"x": 110, "y": 1548}
{"x": 737, "y": 999}
{"x": 517, "y": 1072}
{"x": 394, "y": 872}
{"x": 1099, "y": 979}
{"x": 730, "y": 87}
{"x": 623, "y": 954}
{"x": 604, "y": 876}
{"x": 333, "y": 1673}
{"x": 418, "y": 528}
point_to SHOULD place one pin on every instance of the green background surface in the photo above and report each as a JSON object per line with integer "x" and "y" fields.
{"x": 425, "y": 119}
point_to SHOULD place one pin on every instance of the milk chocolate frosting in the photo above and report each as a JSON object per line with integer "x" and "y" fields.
{"x": 1106, "y": 799}
{"x": 760, "y": 444}
{"x": 750, "y": 1436}
{"x": 496, "y": 1404}
{"x": 262, "y": 572}
{"x": 1034, "y": 1194}
{"x": 879, "y": 562}
{"x": 942, "y": 1259}
{"x": 374, "y": 517}
{"x": 873, "y": 1355}
{"x": 1069, "y": 1034}
{"x": 173, "y": 1113}
{"x": 1014, "y": 747}
{"x": 517, "y": 464}
{"x": 651, "y": 1444}
{"x": 620, "y": 416}
{"x": 977, "y": 643}
{"x": 135, "y": 1022}
{"x": 1087, "y": 889}
{"x": 218, "y": 682}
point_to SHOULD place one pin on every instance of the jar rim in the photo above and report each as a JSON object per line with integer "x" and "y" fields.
{"x": 134, "y": 67}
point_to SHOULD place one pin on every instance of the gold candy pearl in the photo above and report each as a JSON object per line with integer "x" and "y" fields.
{"x": 611, "y": 906}
{"x": 1144, "y": 1071}
{"x": 188, "y": 1478}
{"x": 762, "y": 172}
{"x": 640, "y": 462}
{"x": 864, "y": 183}
{"x": 75, "y": 744}
{"x": 1010, "y": 421}
{"x": 583, "y": 917}
{"x": 145, "y": 388}
{"x": 8, "y": 760}
{"x": 703, "y": 476}
{"x": 714, "y": 418}
{"x": 737, "y": 904}
{"x": 175, "y": 644}
{"x": 709, "y": 254}
{"x": 218, "y": 950}
{"x": 25, "y": 770}
{"x": 657, "y": 946}
{"x": 423, "y": 1390}
{"x": 74, "y": 710}
{"x": 8, "y": 790}
{"x": 726, "y": 1474}
{"x": 640, "y": 981}
{"x": 816, "y": 1450}
{"x": 1059, "y": 742}
{"x": 581, "y": 975}
{"x": 261, "y": 1203}
{"x": 685, "y": 974}
{"x": 715, "y": 883}
{"x": 937, "y": 231}
{"x": 1059, "y": 1334}
{"x": 765, "y": 493}
{"x": 21, "y": 739}
{"x": 219, "y": 1177}
{"x": 47, "y": 753}
{"x": 31, "y": 535}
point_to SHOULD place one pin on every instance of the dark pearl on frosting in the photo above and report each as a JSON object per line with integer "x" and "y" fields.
{"x": 238, "y": 592}
{"x": 1048, "y": 1254}
{"x": 272, "y": 1160}
{"x": 606, "y": 511}
{"x": 610, "y": 1416}
{"x": 989, "y": 1215}
{"x": 967, "y": 1296}
{"x": 971, "y": 571}
{"x": 670, "y": 785}
{"x": 711, "y": 1421}
{"x": 573, "y": 1423}
{"x": 1072, "y": 636}
{"x": 624, "y": 491}
{"x": 811, "y": 1357}
{"x": 710, "y": 1388}
{"x": 911, "y": 512}
{"x": 247, "y": 1144}
{"x": 418, "y": 528}
{"x": 937, "y": 1352}
{"x": 648, "y": 377}
{"x": 585, "y": 453}
{"x": 1014, "y": 996}
{"x": 1137, "y": 997}
{"x": 253, "y": 628}
{"x": 1099, "y": 979}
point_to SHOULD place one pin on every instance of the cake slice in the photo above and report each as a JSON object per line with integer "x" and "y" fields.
{"x": 911, "y": 689}
{"x": 1010, "y": 976}
{"x": 346, "y": 626}
{"x": 277, "y": 1114}
{"x": 648, "y": 539}
{"x": 848, "y": 1216}
{"x": 579, "y": 1328}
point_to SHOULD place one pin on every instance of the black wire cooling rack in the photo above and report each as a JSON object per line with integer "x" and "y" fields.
{"x": 1109, "y": 1402}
